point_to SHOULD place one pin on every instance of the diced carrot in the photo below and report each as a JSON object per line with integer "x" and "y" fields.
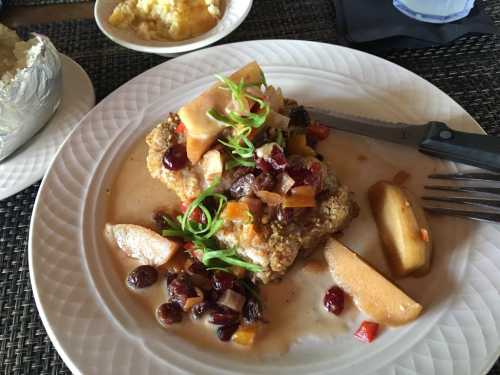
{"x": 245, "y": 335}
{"x": 301, "y": 196}
{"x": 236, "y": 211}
{"x": 367, "y": 331}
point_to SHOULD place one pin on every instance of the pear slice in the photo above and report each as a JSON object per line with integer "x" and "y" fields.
{"x": 403, "y": 229}
{"x": 372, "y": 293}
{"x": 201, "y": 130}
{"x": 141, "y": 243}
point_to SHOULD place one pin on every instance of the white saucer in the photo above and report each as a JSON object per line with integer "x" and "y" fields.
{"x": 29, "y": 163}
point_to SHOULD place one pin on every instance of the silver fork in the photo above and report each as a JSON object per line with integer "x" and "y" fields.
{"x": 487, "y": 197}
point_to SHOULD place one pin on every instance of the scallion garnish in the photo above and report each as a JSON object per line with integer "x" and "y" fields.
{"x": 201, "y": 234}
{"x": 243, "y": 121}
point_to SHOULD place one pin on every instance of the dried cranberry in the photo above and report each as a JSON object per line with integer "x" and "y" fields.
{"x": 299, "y": 174}
{"x": 242, "y": 186}
{"x": 175, "y": 157}
{"x": 158, "y": 218}
{"x": 225, "y": 333}
{"x": 239, "y": 288}
{"x": 224, "y": 317}
{"x": 213, "y": 295}
{"x": 180, "y": 289}
{"x": 299, "y": 117}
{"x": 199, "y": 269}
{"x": 263, "y": 165}
{"x": 252, "y": 311}
{"x": 170, "y": 276}
{"x": 142, "y": 277}
{"x": 223, "y": 280}
{"x": 264, "y": 181}
{"x": 198, "y": 310}
{"x": 284, "y": 215}
{"x": 334, "y": 300}
{"x": 169, "y": 313}
{"x": 277, "y": 159}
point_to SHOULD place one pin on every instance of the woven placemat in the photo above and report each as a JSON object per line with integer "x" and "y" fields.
{"x": 466, "y": 70}
{"x": 43, "y": 2}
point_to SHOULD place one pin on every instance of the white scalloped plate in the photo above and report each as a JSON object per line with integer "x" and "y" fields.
{"x": 28, "y": 164}
{"x": 97, "y": 328}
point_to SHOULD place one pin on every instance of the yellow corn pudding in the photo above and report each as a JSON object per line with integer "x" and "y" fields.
{"x": 166, "y": 19}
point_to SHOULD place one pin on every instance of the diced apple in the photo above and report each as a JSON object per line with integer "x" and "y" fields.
{"x": 372, "y": 293}
{"x": 301, "y": 196}
{"x": 141, "y": 243}
{"x": 403, "y": 228}
{"x": 201, "y": 130}
{"x": 297, "y": 145}
{"x": 212, "y": 165}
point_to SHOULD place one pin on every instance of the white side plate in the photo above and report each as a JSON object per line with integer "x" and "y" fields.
{"x": 95, "y": 324}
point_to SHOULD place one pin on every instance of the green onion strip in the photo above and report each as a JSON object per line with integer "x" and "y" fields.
{"x": 240, "y": 146}
{"x": 201, "y": 234}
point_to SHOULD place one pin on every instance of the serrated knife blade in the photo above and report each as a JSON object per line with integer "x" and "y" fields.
{"x": 406, "y": 134}
{"x": 434, "y": 138}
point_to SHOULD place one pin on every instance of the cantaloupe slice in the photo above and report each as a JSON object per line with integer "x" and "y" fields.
{"x": 201, "y": 130}
{"x": 372, "y": 293}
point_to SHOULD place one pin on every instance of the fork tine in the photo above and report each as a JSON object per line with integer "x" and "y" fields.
{"x": 464, "y": 200}
{"x": 466, "y": 189}
{"x": 475, "y": 215}
{"x": 467, "y": 176}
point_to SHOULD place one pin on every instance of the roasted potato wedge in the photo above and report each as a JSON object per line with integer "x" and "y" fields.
{"x": 403, "y": 229}
{"x": 372, "y": 293}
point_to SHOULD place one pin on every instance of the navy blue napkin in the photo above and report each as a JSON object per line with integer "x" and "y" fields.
{"x": 376, "y": 25}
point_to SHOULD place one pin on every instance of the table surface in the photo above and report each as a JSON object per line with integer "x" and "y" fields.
{"x": 467, "y": 70}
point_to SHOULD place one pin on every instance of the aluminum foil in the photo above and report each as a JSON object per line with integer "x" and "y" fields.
{"x": 31, "y": 96}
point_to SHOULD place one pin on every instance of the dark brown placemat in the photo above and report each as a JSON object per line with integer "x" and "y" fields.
{"x": 466, "y": 70}
{"x": 43, "y": 2}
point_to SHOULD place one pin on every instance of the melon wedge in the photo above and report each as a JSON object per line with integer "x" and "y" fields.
{"x": 372, "y": 293}
{"x": 201, "y": 130}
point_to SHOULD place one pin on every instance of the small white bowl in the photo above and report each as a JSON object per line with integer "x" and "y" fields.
{"x": 234, "y": 13}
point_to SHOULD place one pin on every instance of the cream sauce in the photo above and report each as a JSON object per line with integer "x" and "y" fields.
{"x": 293, "y": 308}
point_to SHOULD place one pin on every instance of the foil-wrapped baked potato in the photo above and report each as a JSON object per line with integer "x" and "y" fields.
{"x": 30, "y": 87}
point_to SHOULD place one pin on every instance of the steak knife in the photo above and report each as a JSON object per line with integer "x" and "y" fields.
{"x": 434, "y": 138}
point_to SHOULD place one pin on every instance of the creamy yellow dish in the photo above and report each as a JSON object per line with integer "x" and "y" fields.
{"x": 167, "y": 19}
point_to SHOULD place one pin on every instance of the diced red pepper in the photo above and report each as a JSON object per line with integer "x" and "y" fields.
{"x": 318, "y": 131}
{"x": 367, "y": 331}
{"x": 181, "y": 128}
{"x": 188, "y": 246}
{"x": 252, "y": 134}
{"x": 196, "y": 215}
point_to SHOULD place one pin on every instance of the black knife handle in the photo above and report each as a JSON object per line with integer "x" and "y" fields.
{"x": 473, "y": 149}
